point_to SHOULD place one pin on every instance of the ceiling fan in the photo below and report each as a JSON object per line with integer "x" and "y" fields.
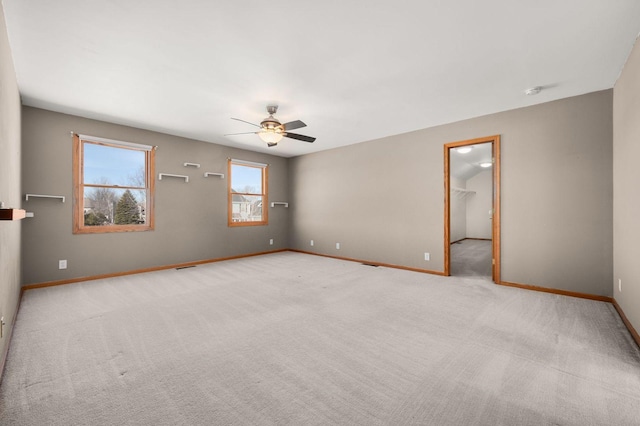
{"x": 272, "y": 131}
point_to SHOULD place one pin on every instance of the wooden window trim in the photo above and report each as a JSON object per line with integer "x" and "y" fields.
{"x": 78, "y": 191}
{"x": 264, "y": 195}
{"x": 496, "y": 185}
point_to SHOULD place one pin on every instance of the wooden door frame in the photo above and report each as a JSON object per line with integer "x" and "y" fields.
{"x": 495, "y": 227}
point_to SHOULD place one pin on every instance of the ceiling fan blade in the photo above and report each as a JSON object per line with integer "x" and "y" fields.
{"x": 243, "y": 133}
{"x": 292, "y": 125}
{"x": 237, "y": 119}
{"x": 299, "y": 137}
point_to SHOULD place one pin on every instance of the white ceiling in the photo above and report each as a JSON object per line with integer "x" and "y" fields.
{"x": 467, "y": 165}
{"x": 352, "y": 70}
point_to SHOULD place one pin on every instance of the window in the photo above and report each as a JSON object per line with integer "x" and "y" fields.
{"x": 113, "y": 185}
{"x": 247, "y": 193}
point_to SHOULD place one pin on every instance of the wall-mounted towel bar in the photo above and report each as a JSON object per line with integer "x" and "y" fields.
{"x": 280, "y": 203}
{"x": 196, "y": 165}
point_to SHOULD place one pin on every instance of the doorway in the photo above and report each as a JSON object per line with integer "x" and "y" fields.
{"x": 481, "y": 164}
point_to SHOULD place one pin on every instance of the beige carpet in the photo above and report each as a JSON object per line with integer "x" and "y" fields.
{"x": 294, "y": 339}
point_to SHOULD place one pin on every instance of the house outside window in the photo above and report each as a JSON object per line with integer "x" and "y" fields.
{"x": 247, "y": 196}
{"x": 113, "y": 185}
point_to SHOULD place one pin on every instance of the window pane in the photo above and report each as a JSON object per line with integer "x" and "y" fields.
{"x": 246, "y": 197}
{"x": 111, "y": 206}
{"x": 106, "y": 165}
{"x": 113, "y": 192}
{"x": 246, "y": 179}
{"x": 246, "y": 208}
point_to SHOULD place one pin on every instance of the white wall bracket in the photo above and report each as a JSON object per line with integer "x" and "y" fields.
{"x": 280, "y": 203}
{"x": 220, "y": 175}
{"x": 161, "y": 175}
{"x": 60, "y": 197}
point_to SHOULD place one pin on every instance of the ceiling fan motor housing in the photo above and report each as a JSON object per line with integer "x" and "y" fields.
{"x": 271, "y": 122}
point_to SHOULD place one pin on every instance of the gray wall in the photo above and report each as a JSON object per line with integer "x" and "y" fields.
{"x": 383, "y": 200}
{"x": 9, "y": 187}
{"x": 479, "y": 204}
{"x": 191, "y": 218}
{"x": 626, "y": 178}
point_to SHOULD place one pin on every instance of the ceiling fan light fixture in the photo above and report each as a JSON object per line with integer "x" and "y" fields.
{"x": 271, "y": 136}
{"x": 272, "y": 130}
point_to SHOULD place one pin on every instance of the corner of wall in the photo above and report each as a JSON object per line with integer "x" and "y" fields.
{"x": 626, "y": 207}
{"x": 10, "y": 190}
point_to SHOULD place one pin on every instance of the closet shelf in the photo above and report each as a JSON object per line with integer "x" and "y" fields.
{"x": 461, "y": 190}
{"x": 462, "y": 193}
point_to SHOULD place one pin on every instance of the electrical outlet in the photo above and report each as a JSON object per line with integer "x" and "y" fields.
{"x": 620, "y": 285}
{"x": 311, "y": 243}
{"x": 62, "y": 264}
{"x": 337, "y": 246}
{"x": 427, "y": 256}
{"x": 271, "y": 242}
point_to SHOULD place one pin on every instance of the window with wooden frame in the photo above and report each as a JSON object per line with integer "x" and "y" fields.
{"x": 247, "y": 196}
{"x": 113, "y": 185}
